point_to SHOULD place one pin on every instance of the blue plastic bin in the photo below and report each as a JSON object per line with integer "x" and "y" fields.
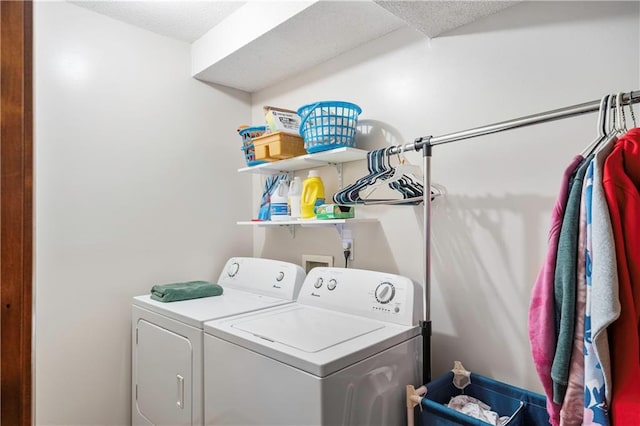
{"x": 247, "y": 134}
{"x": 328, "y": 125}
{"x": 525, "y": 408}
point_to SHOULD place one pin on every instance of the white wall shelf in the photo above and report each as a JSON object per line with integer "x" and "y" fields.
{"x": 340, "y": 225}
{"x": 303, "y": 222}
{"x": 323, "y": 158}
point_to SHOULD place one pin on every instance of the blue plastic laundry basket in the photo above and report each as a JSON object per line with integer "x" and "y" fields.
{"x": 328, "y": 124}
{"x": 248, "y": 134}
{"x": 525, "y": 408}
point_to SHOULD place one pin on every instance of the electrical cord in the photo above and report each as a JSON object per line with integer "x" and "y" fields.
{"x": 346, "y": 249}
{"x": 347, "y": 253}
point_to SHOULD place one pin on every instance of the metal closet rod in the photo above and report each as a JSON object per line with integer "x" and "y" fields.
{"x": 543, "y": 117}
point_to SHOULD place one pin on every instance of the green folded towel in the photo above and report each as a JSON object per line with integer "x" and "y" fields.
{"x": 184, "y": 291}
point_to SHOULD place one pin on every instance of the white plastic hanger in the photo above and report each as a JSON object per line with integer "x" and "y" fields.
{"x": 609, "y": 122}
{"x": 622, "y": 119}
{"x": 602, "y": 126}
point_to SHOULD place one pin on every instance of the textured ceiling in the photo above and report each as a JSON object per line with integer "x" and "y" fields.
{"x": 185, "y": 20}
{"x": 436, "y": 17}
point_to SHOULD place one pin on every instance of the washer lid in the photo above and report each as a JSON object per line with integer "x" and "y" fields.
{"x": 316, "y": 340}
{"x": 308, "y": 330}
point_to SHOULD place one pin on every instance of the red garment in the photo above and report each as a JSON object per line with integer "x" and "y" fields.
{"x": 621, "y": 182}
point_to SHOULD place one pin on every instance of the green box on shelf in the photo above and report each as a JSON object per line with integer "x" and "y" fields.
{"x": 334, "y": 211}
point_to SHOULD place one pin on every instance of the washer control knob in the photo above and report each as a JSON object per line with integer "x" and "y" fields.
{"x": 385, "y": 292}
{"x": 280, "y": 276}
{"x": 233, "y": 269}
{"x": 318, "y": 283}
{"x": 332, "y": 284}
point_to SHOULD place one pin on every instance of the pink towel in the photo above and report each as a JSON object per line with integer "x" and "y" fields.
{"x": 542, "y": 334}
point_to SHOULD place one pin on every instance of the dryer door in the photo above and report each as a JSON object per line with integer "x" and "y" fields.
{"x": 163, "y": 379}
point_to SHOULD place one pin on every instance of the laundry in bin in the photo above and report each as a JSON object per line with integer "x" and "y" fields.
{"x": 477, "y": 409}
{"x": 184, "y": 291}
{"x": 510, "y": 405}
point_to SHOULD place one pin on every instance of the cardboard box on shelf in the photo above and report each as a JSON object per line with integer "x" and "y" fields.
{"x": 282, "y": 120}
{"x": 334, "y": 211}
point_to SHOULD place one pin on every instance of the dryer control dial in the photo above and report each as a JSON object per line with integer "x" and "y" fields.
{"x": 318, "y": 282}
{"x": 385, "y": 292}
{"x": 233, "y": 269}
{"x": 280, "y": 276}
{"x": 331, "y": 285}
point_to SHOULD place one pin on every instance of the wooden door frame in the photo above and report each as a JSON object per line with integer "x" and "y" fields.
{"x": 16, "y": 212}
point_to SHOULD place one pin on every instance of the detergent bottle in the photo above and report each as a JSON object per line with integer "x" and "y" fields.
{"x": 279, "y": 205}
{"x": 312, "y": 195}
{"x": 295, "y": 193}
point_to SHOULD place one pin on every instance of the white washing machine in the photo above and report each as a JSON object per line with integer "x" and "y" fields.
{"x": 167, "y": 338}
{"x": 341, "y": 355}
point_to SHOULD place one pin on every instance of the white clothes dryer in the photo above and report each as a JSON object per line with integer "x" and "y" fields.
{"x": 167, "y": 338}
{"x": 342, "y": 354}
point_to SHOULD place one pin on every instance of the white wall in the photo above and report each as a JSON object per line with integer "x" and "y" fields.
{"x": 490, "y": 230}
{"x": 136, "y": 184}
